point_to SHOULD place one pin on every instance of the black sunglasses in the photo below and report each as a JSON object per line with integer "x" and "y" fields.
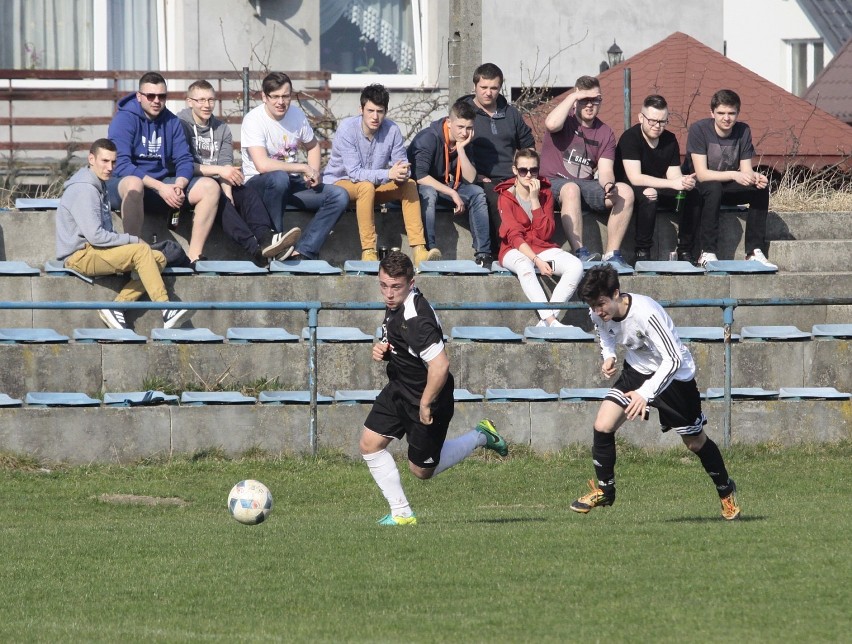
{"x": 151, "y": 96}
{"x": 522, "y": 172}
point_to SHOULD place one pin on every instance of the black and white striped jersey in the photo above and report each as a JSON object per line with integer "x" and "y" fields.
{"x": 653, "y": 347}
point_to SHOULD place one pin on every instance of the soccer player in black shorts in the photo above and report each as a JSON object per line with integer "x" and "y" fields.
{"x": 418, "y": 400}
{"x": 658, "y": 371}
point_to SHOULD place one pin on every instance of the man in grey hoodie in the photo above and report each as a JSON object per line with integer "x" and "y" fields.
{"x": 242, "y": 213}
{"x": 87, "y": 243}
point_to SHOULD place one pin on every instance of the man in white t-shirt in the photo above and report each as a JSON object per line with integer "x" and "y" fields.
{"x": 271, "y": 136}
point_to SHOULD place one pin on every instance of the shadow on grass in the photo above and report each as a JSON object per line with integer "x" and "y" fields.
{"x": 510, "y": 520}
{"x": 714, "y": 519}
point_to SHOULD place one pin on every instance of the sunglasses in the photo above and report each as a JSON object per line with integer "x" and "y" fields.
{"x": 522, "y": 172}
{"x": 591, "y": 101}
{"x": 151, "y": 96}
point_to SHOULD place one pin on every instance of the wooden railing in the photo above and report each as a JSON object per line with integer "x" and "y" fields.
{"x": 20, "y": 129}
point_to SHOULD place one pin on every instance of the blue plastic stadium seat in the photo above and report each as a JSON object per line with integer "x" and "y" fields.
{"x": 304, "y": 267}
{"x": 352, "y": 396}
{"x": 566, "y": 333}
{"x": 185, "y": 335}
{"x": 17, "y": 268}
{"x": 812, "y": 393}
{"x": 595, "y": 393}
{"x": 219, "y": 267}
{"x": 737, "y": 267}
{"x": 337, "y": 334}
{"x": 463, "y": 395}
{"x": 777, "y": 333}
{"x": 622, "y": 270}
{"x": 498, "y": 269}
{"x": 505, "y": 395}
{"x": 139, "y": 399}
{"x": 196, "y": 398}
{"x": 116, "y": 336}
{"x": 485, "y": 334}
{"x": 832, "y": 331}
{"x": 453, "y": 267}
{"x": 24, "y": 203}
{"x": 742, "y": 393}
{"x": 178, "y": 270}
{"x": 357, "y": 267}
{"x": 7, "y": 401}
{"x": 260, "y": 334}
{"x": 703, "y": 334}
{"x": 291, "y": 398}
{"x": 55, "y": 268}
{"x": 31, "y": 336}
{"x": 57, "y": 399}
{"x": 668, "y": 268}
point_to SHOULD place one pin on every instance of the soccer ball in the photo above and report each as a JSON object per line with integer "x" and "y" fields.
{"x": 250, "y": 502}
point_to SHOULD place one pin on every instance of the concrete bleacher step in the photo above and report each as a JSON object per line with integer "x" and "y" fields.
{"x": 811, "y": 256}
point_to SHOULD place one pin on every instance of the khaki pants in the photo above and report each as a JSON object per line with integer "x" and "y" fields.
{"x": 366, "y": 196}
{"x": 147, "y": 263}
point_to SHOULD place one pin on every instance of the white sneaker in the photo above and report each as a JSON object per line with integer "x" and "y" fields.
{"x": 707, "y": 257}
{"x": 556, "y": 323}
{"x": 113, "y": 318}
{"x": 281, "y": 241}
{"x": 176, "y": 317}
{"x": 758, "y": 256}
{"x": 541, "y": 323}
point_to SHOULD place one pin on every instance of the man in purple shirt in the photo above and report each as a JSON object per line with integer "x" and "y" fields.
{"x": 576, "y": 145}
{"x": 368, "y": 161}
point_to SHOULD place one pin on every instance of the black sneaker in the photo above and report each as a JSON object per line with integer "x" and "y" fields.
{"x": 176, "y": 317}
{"x": 113, "y": 318}
{"x": 201, "y": 258}
{"x": 485, "y": 260}
{"x": 685, "y": 256}
{"x": 642, "y": 255}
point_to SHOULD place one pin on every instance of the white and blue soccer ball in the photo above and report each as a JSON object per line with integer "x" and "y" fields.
{"x": 250, "y": 502}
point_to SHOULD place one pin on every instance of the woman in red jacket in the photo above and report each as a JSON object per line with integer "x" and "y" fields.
{"x": 526, "y": 211}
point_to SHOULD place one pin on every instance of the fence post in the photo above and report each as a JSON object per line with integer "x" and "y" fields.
{"x": 246, "y": 91}
{"x": 728, "y": 318}
{"x": 313, "y": 317}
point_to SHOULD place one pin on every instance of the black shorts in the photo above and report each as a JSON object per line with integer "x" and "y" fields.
{"x": 394, "y": 416}
{"x": 679, "y": 404}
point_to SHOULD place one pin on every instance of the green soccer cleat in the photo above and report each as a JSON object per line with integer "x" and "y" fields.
{"x": 596, "y": 498}
{"x": 390, "y": 519}
{"x": 493, "y": 440}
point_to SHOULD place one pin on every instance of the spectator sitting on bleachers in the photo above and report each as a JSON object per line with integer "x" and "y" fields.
{"x": 527, "y": 225}
{"x": 441, "y": 165}
{"x": 87, "y": 243}
{"x": 153, "y": 171}
{"x": 271, "y": 136}
{"x": 243, "y": 215}
{"x": 368, "y": 161}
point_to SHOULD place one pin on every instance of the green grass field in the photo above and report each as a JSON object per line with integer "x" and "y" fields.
{"x": 497, "y": 555}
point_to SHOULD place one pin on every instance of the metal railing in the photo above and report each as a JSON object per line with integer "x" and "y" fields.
{"x": 313, "y": 308}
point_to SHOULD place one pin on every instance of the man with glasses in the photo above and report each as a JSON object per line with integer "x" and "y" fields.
{"x": 153, "y": 171}
{"x": 244, "y": 217}
{"x": 272, "y": 135}
{"x": 576, "y": 145}
{"x": 648, "y": 158}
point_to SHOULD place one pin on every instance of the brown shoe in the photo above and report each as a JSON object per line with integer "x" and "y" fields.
{"x": 369, "y": 255}
{"x": 420, "y": 254}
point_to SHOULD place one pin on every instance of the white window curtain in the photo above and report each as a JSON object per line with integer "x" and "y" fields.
{"x": 46, "y": 34}
{"x": 133, "y": 29}
{"x": 387, "y": 23}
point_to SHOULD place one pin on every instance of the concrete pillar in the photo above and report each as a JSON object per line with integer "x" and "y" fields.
{"x": 464, "y": 46}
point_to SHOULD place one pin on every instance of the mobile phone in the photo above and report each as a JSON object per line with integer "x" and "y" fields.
{"x": 552, "y": 263}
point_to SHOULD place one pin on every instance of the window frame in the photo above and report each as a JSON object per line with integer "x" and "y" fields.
{"x": 810, "y": 62}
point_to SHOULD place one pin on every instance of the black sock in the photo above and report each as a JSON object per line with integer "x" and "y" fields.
{"x": 603, "y": 456}
{"x": 714, "y": 465}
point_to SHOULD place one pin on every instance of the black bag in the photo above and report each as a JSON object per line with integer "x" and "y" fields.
{"x": 175, "y": 256}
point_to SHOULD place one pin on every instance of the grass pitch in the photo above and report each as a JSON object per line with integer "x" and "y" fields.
{"x": 149, "y": 553}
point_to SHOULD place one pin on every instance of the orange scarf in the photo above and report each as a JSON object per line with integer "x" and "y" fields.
{"x": 447, "y": 159}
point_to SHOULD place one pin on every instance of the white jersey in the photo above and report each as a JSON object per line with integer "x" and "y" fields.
{"x": 282, "y": 138}
{"x": 653, "y": 347}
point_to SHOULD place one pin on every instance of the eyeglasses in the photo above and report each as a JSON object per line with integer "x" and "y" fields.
{"x": 278, "y": 97}
{"x": 655, "y": 122}
{"x": 591, "y": 101}
{"x": 522, "y": 172}
{"x": 203, "y": 101}
{"x": 151, "y": 96}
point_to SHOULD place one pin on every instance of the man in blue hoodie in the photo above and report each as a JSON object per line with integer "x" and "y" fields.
{"x": 87, "y": 243}
{"x": 153, "y": 170}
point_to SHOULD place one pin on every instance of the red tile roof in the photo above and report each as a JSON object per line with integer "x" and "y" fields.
{"x": 785, "y": 128}
{"x": 832, "y": 89}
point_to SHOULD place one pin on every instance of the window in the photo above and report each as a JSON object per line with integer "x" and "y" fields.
{"x": 806, "y": 62}
{"x": 381, "y": 40}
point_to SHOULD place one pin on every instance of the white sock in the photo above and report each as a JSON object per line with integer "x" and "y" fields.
{"x": 386, "y": 475}
{"x": 458, "y": 449}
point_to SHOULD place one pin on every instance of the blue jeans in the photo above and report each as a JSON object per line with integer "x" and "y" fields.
{"x": 477, "y": 212}
{"x": 279, "y": 189}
